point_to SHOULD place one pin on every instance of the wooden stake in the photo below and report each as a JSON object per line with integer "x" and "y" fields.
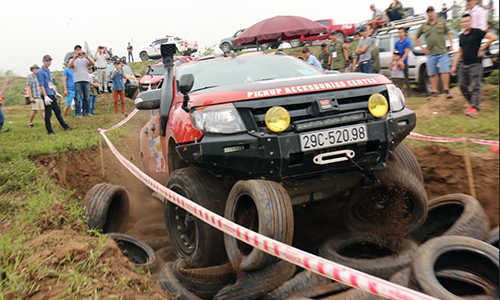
{"x": 102, "y": 157}
{"x": 468, "y": 166}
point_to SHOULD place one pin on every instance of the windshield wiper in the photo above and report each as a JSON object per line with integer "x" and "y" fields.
{"x": 264, "y": 79}
{"x": 204, "y": 88}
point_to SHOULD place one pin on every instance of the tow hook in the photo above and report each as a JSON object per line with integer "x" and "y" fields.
{"x": 333, "y": 157}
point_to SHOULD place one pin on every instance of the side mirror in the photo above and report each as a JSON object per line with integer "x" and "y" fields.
{"x": 137, "y": 75}
{"x": 186, "y": 83}
{"x": 148, "y": 100}
{"x": 418, "y": 51}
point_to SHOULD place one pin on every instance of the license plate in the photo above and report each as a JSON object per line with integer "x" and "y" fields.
{"x": 333, "y": 137}
{"x": 487, "y": 62}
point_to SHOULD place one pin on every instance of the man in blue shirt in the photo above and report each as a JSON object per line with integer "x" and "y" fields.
{"x": 69, "y": 89}
{"x": 48, "y": 93}
{"x": 403, "y": 46}
{"x": 311, "y": 59}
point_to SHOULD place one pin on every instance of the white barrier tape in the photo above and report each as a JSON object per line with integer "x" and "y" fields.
{"x": 122, "y": 121}
{"x": 421, "y": 137}
{"x": 298, "y": 257}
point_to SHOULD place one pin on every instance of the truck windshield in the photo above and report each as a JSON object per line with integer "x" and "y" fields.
{"x": 156, "y": 70}
{"x": 229, "y": 71}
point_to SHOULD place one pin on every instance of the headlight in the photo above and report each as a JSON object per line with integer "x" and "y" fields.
{"x": 217, "y": 119}
{"x": 396, "y": 98}
{"x": 277, "y": 119}
{"x": 377, "y": 105}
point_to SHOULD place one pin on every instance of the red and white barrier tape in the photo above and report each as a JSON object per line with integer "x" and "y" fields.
{"x": 295, "y": 256}
{"x": 421, "y": 137}
{"x": 122, "y": 121}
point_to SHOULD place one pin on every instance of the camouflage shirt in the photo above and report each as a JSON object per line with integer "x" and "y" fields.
{"x": 337, "y": 55}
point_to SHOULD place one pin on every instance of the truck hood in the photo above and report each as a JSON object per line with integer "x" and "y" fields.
{"x": 151, "y": 79}
{"x": 284, "y": 87}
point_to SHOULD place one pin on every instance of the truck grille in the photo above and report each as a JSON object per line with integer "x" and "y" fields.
{"x": 351, "y": 102}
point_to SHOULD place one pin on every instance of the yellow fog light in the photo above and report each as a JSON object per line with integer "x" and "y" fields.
{"x": 277, "y": 119}
{"x": 377, "y": 104}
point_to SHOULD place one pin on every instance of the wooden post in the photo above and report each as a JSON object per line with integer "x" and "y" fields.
{"x": 468, "y": 166}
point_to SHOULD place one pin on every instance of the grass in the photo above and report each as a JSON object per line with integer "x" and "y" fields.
{"x": 26, "y": 194}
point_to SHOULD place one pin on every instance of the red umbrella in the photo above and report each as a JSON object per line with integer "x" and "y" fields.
{"x": 279, "y": 27}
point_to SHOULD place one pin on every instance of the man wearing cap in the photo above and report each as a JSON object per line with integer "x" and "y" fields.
{"x": 403, "y": 46}
{"x": 435, "y": 30}
{"x": 35, "y": 95}
{"x": 101, "y": 64}
{"x": 324, "y": 56}
{"x": 80, "y": 63}
{"x": 48, "y": 93}
{"x": 338, "y": 55}
{"x": 311, "y": 59}
{"x": 364, "y": 52}
{"x": 469, "y": 56}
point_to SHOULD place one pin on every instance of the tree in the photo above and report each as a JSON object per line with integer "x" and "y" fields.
{"x": 208, "y": 51}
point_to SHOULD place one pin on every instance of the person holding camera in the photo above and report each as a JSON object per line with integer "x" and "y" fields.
{"x": 118, "y": 76}
{"x": 80, "y": 63}
{"x": 101, "y": 64}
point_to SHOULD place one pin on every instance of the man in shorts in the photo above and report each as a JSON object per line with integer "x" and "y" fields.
{"x": 35, "y": 95}
{"x": 69, "y": 89}
{"x": 435, "y": 30}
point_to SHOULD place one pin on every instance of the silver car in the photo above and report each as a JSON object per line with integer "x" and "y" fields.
{"x": 226, "y": 44}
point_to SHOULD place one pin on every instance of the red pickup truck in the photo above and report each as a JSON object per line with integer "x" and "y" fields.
{"x": 342, "y": 29}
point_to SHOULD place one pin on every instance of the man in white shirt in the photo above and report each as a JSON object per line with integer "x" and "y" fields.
{"x": 478, "y": 14}
{"x": 101, "y": 66}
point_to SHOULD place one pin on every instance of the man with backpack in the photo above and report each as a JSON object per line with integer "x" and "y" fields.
{"x": 34, "y": 94}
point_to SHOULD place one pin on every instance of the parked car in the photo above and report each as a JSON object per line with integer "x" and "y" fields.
{"x": 226, "y": 44}
{"x": 155, "y": 73}
{"x": 153, "y": 50}
{"x": 342, "y": 30}
{"x": 131, "y": 82}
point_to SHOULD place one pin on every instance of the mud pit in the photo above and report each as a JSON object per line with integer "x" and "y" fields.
{"x": 443, "y": 169}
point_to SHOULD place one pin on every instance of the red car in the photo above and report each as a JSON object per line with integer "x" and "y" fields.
{"x": 156, "y": 72}
{"x": 342, "y": 29}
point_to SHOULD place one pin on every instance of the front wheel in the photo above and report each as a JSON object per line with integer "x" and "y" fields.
{"x": 225, "y": 47}
{"x": 295, "y": 43}
{"x": 144, "y": 56}
{"x": 264, "y": 46}
{"x": 201, "y": 244}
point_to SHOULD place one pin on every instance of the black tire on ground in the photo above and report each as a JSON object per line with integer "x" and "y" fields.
{"x": 200, "y": 243}
{"x": 469, "y": 283}
{"x": 295, "y": 43}
{"x": 454, "y": 214}
{"x": 107, "y": 207}
{"x": 225, "y": 47}
{"x": 170, "y": 285}
{"x": 138, "y": 252}
{"x": 369, "y": 254}
{"x": 255, "y": 284}
{"x": 332, "y": 290}
{"x": 155, "y": 234}
{"x": 144, "y": 56}
{"x": 403, "y": 156}
{"x": 203, "y": 282}
{"x": 455, "y": 253}
{"x": 397, "y": 205}
{"x": 492, "y": 237}
{"x": 402, "y": 277}
{"x": 264, "y": 207}
{"x": 300, "y": 282}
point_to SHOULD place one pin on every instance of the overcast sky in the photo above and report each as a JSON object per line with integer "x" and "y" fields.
{"x": 30, "y": 29}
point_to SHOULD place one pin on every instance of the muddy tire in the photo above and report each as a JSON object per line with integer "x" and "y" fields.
{"x": 454, "y": 214}
{"x": 322, "y": 290}
{"x": 201, "y": 244}
{"x": 107, "y": 207}
{"x": 155, "y": 235}
{"x": 264, "y": 207}
{"x": 492, "y": 237}
{"x": 301, "y": 281}
{"x": 255, "y": 284}
{"x": 455, "y": 253}
{"x": 170, "y": 285}
{"x": 404, "y": 157}
{"x": 138, "y": 252}
{"x": 397, "y": 205}
{"x": 402, "y": 277}
{"x": 371, "y": 255}
{"x": 203, "y": 282}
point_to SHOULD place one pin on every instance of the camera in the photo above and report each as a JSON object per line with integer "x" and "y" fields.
{"x": 81, "y": 53}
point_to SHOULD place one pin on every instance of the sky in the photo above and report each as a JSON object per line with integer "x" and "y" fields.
{"x": 29, "y": 29}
